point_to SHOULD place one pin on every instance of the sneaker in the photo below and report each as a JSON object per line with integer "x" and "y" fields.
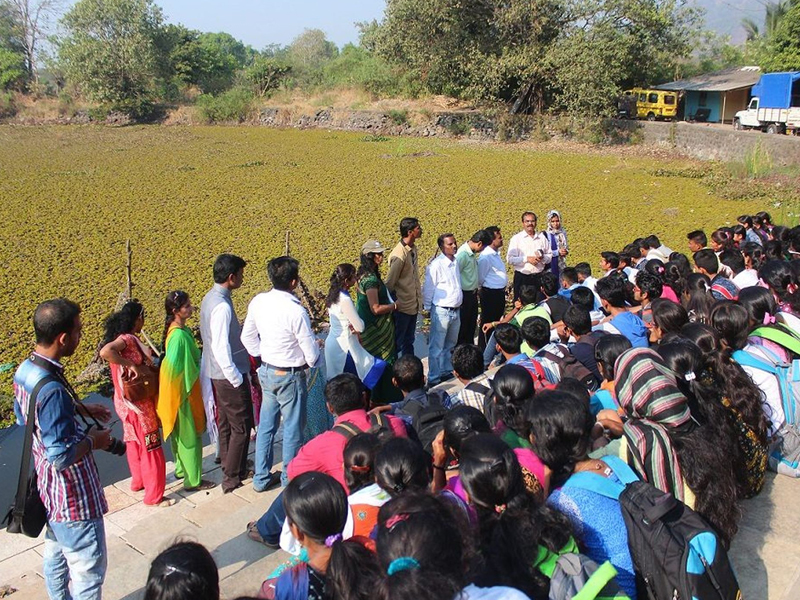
{"x": 274, "y": 481}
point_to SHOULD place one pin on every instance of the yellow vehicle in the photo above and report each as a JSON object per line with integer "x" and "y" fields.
{"x": 654, "y": 104}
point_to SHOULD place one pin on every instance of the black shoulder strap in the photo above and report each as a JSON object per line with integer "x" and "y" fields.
{"x": 478, "y": 388}
{"x": 379, "y": 421}
{"x": 346, "y": 429}
{"x": 27, "y": 446}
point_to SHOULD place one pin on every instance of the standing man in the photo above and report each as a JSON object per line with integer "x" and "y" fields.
{"x": 226, "y": 363}
{"x": 69, "y": 484}
{"x": 493, "y": 281}
{"x": 529, "y": 253}
{"x": 442, "y": 297}
{"x": 467, "y": 258}
{"x": 277, "y": 329}
{"x": 402, "y": 281}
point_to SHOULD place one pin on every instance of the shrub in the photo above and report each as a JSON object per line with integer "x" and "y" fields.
{"x": 234, "y": 105}
{"x": 8, "y": 107}
{"x": 398, "y": 117}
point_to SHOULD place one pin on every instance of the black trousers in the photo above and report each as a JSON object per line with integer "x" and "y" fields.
{"x": 235, "y": 414}
{"x": 534, "y": 279}
{"x": 493, "y": 304}
{"x": 469, "y": 318}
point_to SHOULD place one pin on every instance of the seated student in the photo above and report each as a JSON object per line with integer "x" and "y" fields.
{"x": 626, "y": 264}
{"x": 553, "y": 302}
{"x": 408, "y": 375}
{"x": 345, "y": 397}
{"x": 609, "y": 262}
{"x": 569, "y": 282}
{"x": 525, "y": 307}
{"x": 606, "y": 352}
{"x": 508, "y": 340}
{"x": 697, "y": 298}
{"x": 184, "y": 571}
{"x": 512, "y": 388}
{"x": 697, "y": 240}
{"x": 648, "y": 288}
{"x": 585, "y": 299}
{"x": 585, "y": 278}
{"x": 578, "y": 325}
{"x": 612, "y": 295}
{"x": 561, "y": 432}
{"x": 468, "y": 368}
{"x": 536, "y": 333}
{"x": 655, "y": 249}
{"x": 659, "y": 270}
{"x": 423, "y": 553}
{"x": 722, "y": 288}
{"x": 739, "y": 236}
{"x": 668, "y": 318}
{"x": 751, "y": 236}
{"x": 366, "y": 497}
{"x": 402, "y": 466}
{"x": 734, "y": 260}
{"x": 316, "y": 509}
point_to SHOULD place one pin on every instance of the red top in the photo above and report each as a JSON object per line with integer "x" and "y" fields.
{"x": 325, "y": 453}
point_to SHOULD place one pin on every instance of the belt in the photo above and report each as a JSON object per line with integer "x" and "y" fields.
{"x": 447, "y": 307}
{"x": 290, "y": 369}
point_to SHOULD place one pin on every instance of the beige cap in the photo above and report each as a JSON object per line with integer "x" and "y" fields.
{"x": 372, "y": 247}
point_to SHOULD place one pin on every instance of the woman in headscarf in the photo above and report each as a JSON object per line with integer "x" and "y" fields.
{"x": 557, "y": 237}
{"x": 667, "y": 447}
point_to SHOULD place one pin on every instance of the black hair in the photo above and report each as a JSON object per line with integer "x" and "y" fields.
{"x": 758, "y": 302}
{"x": 577, "y": 319}
{"x": 583, "y": 297}
{"x": 706, "y": 259}
{"x": 765, "y": 217}
{"x": 625, "y": 259}
{"x": 723, "y": 237}
{"x": 584, "y": 269}
{"x": 367, "y": 266}
{"x": 655, "y": 267}
{"x": 508, "y": 337}
{"x": 700, "y": 301}
{"x": 53, "y": 318}
{"x": 467, "y": 361}
{"x": 282, "y": 271}
{"x": 492, "y": 231}
{"x": 536, "y": 332}
{"x": 184, "y": 571}
{"x": 340, "y": 276}
{"x": 575, "y": 388}
{"x": 780, "y": 233}
{"x": 173, "y": 302}
{"x": 745, "y": 220}
{"x": 730, "y": 321}
{"x": 612, "y": 258}
{"x": 408, "y": 373}
{"x": 739, "y": 230}
{"x": 755, "y": 253}
{"x": 528, "y": 294}
{"x": 528, "y": 212}
{"x": 401, "y": 465}
{"x": 682, "y": 262}
{"x": 122, "y": 321}
{"x": 408, "y": 224}
{"x": 606, "y": 352}
{"x": 649, "y": 284}
{"x": 612, "y": 290}
{"x": 651, "y": 241}
{"x": 425, "y": 529}
{"x": 698, "y": 236}
{"x": 673, "y": 277}
{"x": 461, "y": 422}
{"x": 773, "y": 250}
{"x": 226, "y": 265}
{"x": 561, "y": 432}
{"x": 479, "y": 237}
{"x": 317, "y": 505}
{"x": 512, "y": 524}
{"x": 549, "y": 283}
{"x": 732, "y": 259}
{"x": 570, "y": 275}
{"x": 778, "y": 275}
{"x": 344, "y": 393}
{"x": 512, "y": 387}
{"x": 668, "y": 316}
{"x": 440, "y": 240}
{"x": 359, "y": 460}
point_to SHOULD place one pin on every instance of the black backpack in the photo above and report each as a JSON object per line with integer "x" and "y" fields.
{"x": 571, "y": 367}
{"x": 428, "y": 420}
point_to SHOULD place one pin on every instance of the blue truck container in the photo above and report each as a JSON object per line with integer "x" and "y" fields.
{"x": 775, "y": 104}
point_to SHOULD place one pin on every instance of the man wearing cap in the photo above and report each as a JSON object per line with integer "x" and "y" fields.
{"x": 442, "y": 296}
{"x": 529, "y": 253}
{"x": 403, "y": 284}
{"x": 467, "y": 258}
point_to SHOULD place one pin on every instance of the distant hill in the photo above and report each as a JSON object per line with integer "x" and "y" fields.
{"x": 725, "y": 16}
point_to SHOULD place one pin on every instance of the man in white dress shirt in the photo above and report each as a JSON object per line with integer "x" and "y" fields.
{"x": 493, "y": 281}
{"x": 529, "y": 253}
{"x": 226, "y": 363}
{"x": 277, "y": 329}
{"x": 442, "y": 296}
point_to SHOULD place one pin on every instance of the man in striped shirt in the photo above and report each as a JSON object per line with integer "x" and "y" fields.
{"x": 69, "y": 484}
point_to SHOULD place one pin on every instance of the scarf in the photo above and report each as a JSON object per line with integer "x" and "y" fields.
{"x": 648, "y": 394}
{"x": 550, "y": 215}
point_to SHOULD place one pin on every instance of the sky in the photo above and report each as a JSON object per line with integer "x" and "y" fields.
{"x": 262, "y": 22}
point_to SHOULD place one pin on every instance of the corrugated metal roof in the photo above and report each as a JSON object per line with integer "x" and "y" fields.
{"x": 719, "y": 81}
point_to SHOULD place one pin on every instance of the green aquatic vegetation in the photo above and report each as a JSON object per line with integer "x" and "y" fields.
{"x": 69, "y": 200}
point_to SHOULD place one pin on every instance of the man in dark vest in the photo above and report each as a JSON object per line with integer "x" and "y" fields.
{"x": 227, "y": 364}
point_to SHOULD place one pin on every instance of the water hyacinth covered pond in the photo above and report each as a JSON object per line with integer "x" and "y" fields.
{"x": 71, "y": 196}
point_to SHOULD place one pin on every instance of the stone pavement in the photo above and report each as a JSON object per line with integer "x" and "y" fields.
{"x": 765, "y": 553}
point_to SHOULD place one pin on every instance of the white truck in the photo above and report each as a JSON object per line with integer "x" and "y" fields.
{"x": 775, "y": 105}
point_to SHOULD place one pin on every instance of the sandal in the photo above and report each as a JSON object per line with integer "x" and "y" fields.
{"x": 204, "y": 485}
{"x": 253, "y": 534}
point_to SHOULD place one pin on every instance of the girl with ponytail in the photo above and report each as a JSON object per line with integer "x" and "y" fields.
{"x": 316, "y": 511}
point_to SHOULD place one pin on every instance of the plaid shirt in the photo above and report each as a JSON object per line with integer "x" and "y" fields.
{"x": 70, "y": 488}
{"x": 473, "y": 398}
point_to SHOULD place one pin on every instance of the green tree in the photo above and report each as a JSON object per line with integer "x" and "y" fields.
{"x": 307, "y": 54}
{"x": 266, "y": 74}
{"x": 12, "y": 69}
{"x": 783, "y": 47}
{"x": 109, "y": 50}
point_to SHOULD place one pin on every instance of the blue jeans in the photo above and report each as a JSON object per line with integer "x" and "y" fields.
{"x": 490, "y": 352}
{"x": 405, "y": 328}
{"x": 445, "y": 323}
{"x": 75, "y": 551}
{"x": 271, "y": 522}
{"x": 284, "y": 396}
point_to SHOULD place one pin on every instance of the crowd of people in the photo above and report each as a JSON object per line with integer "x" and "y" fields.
{"x": 664, "y": 368}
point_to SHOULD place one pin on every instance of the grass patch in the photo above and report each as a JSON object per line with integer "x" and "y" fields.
{"x": 398, "y": 117}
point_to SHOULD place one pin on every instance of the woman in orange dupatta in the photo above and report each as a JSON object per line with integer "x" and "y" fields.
{"x": 180, "y": 401}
